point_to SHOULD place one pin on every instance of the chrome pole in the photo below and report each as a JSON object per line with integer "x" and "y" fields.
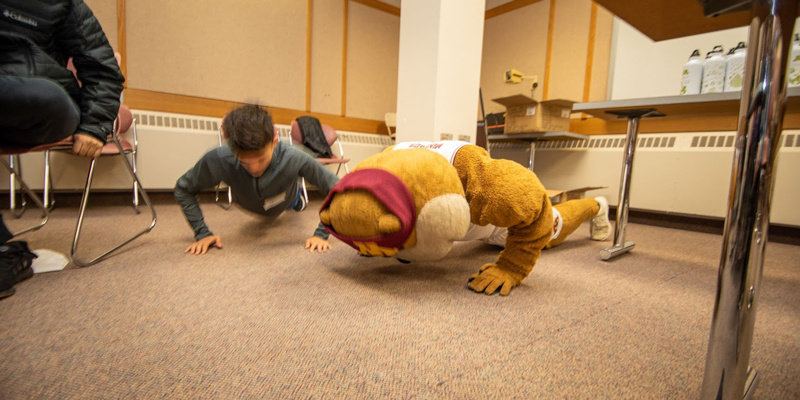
{"x": 620, "y": 245}
{"x": 727, "y": 371}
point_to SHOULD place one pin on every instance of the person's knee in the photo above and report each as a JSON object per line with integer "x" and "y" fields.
{"x": 52, "y": 100}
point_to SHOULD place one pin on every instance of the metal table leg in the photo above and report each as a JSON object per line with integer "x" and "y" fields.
{"x": 620, "y": 245}
{"x": 727, "y": 371}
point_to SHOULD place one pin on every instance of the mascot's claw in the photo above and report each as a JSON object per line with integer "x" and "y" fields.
{"x": 491, "y": 277}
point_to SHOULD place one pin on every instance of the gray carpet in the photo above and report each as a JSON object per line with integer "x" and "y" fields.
{"x": 264, "y": 319}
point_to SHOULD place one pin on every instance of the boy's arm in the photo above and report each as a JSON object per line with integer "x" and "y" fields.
{"x": 322, "y": 178}
{"x": 201, "y": 176}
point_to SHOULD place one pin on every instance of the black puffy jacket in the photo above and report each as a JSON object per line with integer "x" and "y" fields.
{"x": 38, "y": 37}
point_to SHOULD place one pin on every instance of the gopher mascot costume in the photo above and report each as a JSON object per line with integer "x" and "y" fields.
{"x": 414, "y": 200}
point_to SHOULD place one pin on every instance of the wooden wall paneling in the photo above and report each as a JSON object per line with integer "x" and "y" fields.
{"x": 514, "y": 40}
{"x": 122, "y": 44}
{"x": 345, "y": 25}
{"x": 172, "y": 103}
{"x": 106, "y": 13}
{"x": 380, "y": 6}
{"x": 508, "y": 7}
{"x": 569, "y": 50}
{"x": 308, "y": 54}
{"x": 246, "y": 51}
{"x": 373, "y": 51}
{"x": 326, "y": 53}
{"x": 548, "y": 63}
{"x": 587, "y": 79}
{"x": 602, "y": 55}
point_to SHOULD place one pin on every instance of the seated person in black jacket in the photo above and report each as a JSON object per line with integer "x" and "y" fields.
{"x": 40, "y": 100}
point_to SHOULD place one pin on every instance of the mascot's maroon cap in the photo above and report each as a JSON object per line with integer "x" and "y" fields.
{"x": 389, "y": 190}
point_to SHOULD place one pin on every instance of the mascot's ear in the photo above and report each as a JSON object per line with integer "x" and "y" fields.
{"x": 325, "y": 217}
{"x": 389, "y": 223}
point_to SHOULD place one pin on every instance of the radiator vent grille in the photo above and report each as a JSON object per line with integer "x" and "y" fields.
{"x": 379, "y": 140}
{"x": 177, "y": 121}
{"x": 209, "y": 124}
{"x": 611, "y": 143}
{"x": 792, "y": 140}
{"x": 509, "y": 145}
{"x": 712, "y": 141}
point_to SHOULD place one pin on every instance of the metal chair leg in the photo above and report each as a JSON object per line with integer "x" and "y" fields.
{"x": 33, "y": 196}
{"x": 85, "y": 200}
{"x": 133, "y": 161}
{"x": 230, "y": 198}
{"x": 49, "y": 200}
{"x": 135, "y": 184}
{"x": 216, "y": 191}
{"x": 16, "y": 167}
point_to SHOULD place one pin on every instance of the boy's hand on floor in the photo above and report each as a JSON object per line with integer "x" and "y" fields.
{"x": 201, "y": 246}
{"x": 318, "y": 244}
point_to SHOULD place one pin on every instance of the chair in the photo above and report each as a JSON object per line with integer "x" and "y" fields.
{"x": 126, "y": 122}
{"x": 331, "y": 137}
{"x": 66, "y": 145}
{"x": 391, "y": 124}
{"x": 216, "y": 191}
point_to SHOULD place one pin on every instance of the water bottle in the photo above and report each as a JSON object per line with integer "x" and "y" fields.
{"x": 714, "y": 71}
{"x": 692, "y": 74}
{"x": 794, "y": 63}
{"x": 734, "y": 70}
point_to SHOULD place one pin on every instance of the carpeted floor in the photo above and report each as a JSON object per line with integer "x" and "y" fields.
{"x": 263, "y": 319}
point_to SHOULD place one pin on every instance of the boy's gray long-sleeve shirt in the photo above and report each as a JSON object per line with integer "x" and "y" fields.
{"x": 288, "y": 165}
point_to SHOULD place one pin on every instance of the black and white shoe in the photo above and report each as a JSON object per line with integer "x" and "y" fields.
{"x": 15, "y": 265}
{"x": 301, "y": 203}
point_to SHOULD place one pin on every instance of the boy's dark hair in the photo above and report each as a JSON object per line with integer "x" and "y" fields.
{"x": 248, "y": 128}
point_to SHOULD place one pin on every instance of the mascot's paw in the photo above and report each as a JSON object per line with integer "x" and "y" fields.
{"x": 491, "y": 277}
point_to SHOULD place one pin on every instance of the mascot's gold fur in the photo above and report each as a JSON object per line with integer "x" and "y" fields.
{"x": 447, "y": 198}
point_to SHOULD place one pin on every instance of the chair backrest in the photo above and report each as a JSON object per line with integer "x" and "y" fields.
{"x": 296, "y": 135}
{"x": 390, "y": 119}
{"x": 327, "y": 130}
{"x": 330, "y": 134}
{"x": 124, "y": 119}
{"x": 391, "y": 123}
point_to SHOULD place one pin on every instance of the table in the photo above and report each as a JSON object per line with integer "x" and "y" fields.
{"x": 701, "y": 105}
{"x": 532, "y": 138}
{"x": 762, "y": 104}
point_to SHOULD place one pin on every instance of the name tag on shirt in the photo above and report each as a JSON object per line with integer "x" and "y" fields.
{"x": 274, "y": 201}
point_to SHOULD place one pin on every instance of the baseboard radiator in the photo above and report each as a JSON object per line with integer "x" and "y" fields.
{"x": 169, "y": 145}
{"x": 686, "y": 173}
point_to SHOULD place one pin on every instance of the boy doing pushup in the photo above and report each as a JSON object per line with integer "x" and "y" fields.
{"x": 262, "y": 172}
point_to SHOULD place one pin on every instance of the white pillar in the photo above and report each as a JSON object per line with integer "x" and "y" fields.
{"x": 441, "y": 42}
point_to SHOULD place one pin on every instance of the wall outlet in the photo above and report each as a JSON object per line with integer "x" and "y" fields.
{"x": 464, "y": 138}
{"x": 447, "y": 136}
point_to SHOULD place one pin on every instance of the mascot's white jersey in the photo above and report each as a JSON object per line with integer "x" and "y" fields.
{"x": 489, "y": 233}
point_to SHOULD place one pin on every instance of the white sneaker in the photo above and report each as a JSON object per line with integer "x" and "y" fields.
{"x": 600, "y": 227}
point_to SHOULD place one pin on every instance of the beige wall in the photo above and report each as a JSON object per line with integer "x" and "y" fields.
{"x": 327, "y": 43}
{"x": 518, "y": 40}
{"x": 514, "y": 40}
{"x": 251, "y": 50}
{"x": 373, "y": 49}
{"x": 106, "y": 12}
{"x": 242, "y": 50}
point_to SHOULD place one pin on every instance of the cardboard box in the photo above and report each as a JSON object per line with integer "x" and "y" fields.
{"x": 524, "y": 114}
{"x": 560, "y": 196}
